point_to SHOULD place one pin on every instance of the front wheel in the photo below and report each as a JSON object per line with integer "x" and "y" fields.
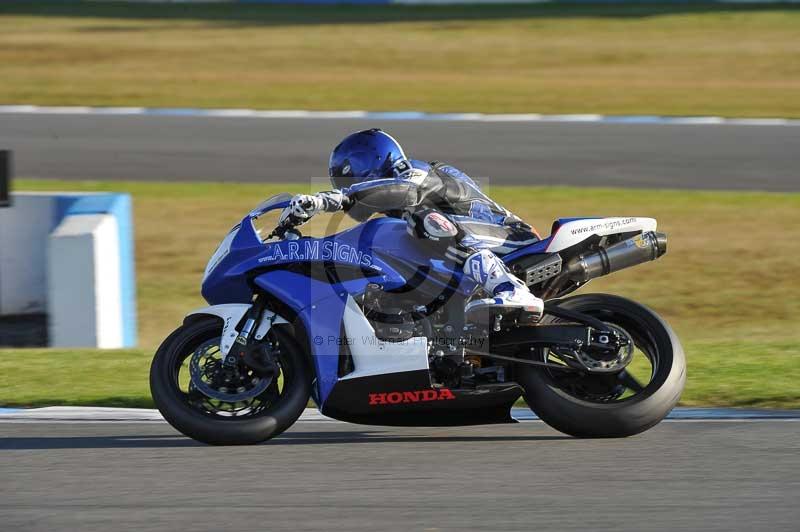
{"x": 210, "y": 402}
{"x": 611, "y": 404}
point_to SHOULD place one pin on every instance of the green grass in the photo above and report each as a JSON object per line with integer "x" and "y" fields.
{"x": 728, "y": 285}
{"x": 47, "y": 377}
{"x": 743, "y": 374}
{"x": 730, "y": 60}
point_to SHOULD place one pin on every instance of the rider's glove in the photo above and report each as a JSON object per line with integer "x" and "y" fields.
{"x": 301, "y": 208}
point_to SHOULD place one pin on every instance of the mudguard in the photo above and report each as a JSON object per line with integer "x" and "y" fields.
{"x": 231, "y": 315}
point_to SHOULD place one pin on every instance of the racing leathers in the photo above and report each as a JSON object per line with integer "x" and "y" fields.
{"x": 443, "y": 205}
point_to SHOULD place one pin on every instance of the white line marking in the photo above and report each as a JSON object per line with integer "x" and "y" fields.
{"x": 67, "y": 414}
{"x": 396, "y": 115}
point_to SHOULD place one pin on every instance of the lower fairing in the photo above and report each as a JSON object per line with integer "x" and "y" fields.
{"x": 409, "y": 399}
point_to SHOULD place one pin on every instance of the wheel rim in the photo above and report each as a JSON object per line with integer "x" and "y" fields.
{"x": 197, "y": 379}
{"x": 635, "y": 380}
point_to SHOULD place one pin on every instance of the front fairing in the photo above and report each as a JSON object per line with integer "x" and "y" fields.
{"x": 219, "y": 287}
{"x": 378, "y": 251}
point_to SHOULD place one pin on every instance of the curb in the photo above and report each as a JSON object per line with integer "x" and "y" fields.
{"x": 397, "y": 116}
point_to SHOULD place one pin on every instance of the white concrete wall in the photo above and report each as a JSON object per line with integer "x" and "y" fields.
{"x": 84, "y": 304}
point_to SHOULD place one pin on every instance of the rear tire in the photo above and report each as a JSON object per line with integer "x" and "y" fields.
{"x": 592, "y": 419}
{"x": 173, "y": 403}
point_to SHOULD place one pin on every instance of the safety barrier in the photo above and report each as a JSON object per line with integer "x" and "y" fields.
{"x": 70, "y": 256}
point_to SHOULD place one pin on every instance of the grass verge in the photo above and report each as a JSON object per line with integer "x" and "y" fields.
{"x": 685, "y": 59}
{"x": 727, "y": 285}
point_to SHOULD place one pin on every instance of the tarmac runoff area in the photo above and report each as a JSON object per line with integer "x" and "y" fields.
{"x": 72, "y": 469}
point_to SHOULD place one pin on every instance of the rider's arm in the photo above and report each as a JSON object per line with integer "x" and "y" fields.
{"x": 381, "y": 196}
{"x": 388, "y": 195}
{"x": 332, "y": 201}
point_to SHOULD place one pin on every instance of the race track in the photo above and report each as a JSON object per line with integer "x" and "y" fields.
{"x": 192, "y": 148}
{"x": 725, "y": 475}
{"x": 682, "y": 475}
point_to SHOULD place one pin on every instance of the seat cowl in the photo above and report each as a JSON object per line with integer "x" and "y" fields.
{"x": 576, "y": 230}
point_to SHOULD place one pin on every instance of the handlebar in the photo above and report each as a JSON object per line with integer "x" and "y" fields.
{"x": 291, "y": 221}
{"x": 289, "y": 224}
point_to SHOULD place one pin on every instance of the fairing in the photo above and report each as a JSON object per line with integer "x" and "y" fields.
{"x": 314, "y": 277}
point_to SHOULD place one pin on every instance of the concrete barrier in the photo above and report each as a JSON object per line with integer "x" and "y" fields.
{"x": 71, "y": 256}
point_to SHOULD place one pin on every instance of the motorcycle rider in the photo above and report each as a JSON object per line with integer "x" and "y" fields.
{"x": 371, "y": 174}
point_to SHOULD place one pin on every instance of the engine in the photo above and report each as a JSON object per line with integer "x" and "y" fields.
{"x": 397, "y": 317}
{"x": 393, "y": 316}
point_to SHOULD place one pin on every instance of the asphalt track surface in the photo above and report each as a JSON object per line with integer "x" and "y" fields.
{"x": 681, "y": 475}
{"x": 191, "y": 148}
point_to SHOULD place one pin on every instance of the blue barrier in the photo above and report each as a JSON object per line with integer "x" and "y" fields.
{"x": 120, "y": 207}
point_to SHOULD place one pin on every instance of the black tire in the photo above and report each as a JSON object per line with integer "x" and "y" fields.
{"x": 216, "y": 430}
{"x": 589, "y": 419}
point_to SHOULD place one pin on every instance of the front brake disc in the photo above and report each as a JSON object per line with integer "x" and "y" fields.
{"x": 204, "y": 367}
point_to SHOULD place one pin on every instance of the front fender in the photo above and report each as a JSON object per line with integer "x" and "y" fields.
{"x": 231, "y": 315}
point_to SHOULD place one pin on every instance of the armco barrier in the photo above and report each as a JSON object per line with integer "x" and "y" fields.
{"x": 71, "y": 256}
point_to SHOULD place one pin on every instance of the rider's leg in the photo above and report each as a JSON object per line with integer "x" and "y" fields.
{"x": 488, "y": 270}
{"x": 482, "y": 265}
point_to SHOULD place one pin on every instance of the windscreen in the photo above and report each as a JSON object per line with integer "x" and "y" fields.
{"x": 278, "y": 201}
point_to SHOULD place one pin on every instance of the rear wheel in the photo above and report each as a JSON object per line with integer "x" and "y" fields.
{"x": 608, "y": 403}
{"x": 205, "y": 400}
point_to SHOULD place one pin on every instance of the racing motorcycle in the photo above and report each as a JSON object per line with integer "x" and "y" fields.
{"x": 371, "y": 327}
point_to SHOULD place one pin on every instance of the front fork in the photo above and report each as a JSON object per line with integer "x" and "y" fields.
{"x": 239, "y": 349}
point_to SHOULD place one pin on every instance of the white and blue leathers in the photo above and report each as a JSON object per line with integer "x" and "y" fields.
{"x": 443, "y": 205}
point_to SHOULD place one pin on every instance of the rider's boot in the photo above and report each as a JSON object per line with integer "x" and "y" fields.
{"x": 509, "y": 291}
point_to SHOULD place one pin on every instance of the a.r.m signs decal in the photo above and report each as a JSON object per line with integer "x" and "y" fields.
{"x": 316, "y": 250}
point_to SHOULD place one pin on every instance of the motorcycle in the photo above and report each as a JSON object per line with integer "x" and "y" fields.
{"x": 370, "y": 325}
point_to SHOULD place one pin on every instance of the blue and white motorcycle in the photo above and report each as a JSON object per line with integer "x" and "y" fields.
{"x": 371, "y": 327}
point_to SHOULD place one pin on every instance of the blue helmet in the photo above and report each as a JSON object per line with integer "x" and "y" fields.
{"x": 365, "y": 155}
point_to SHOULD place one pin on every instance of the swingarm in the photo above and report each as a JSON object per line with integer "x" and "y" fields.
{"x": 579, "y": 342}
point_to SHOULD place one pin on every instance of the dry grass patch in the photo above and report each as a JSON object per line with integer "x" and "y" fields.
{"x": 703, "y": 59}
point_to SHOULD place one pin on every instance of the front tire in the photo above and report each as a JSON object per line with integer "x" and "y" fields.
{"x": 577, "y": 408}
{"x": 204, "y": 424}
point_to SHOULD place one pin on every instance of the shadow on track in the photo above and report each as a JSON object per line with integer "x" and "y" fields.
{"x": 312, "y": 438}
{"x": 292, "y": 438}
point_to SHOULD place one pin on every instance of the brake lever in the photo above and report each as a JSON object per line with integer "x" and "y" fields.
{"x": 290, "y": 224}
{"x": 279, "y": 232}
